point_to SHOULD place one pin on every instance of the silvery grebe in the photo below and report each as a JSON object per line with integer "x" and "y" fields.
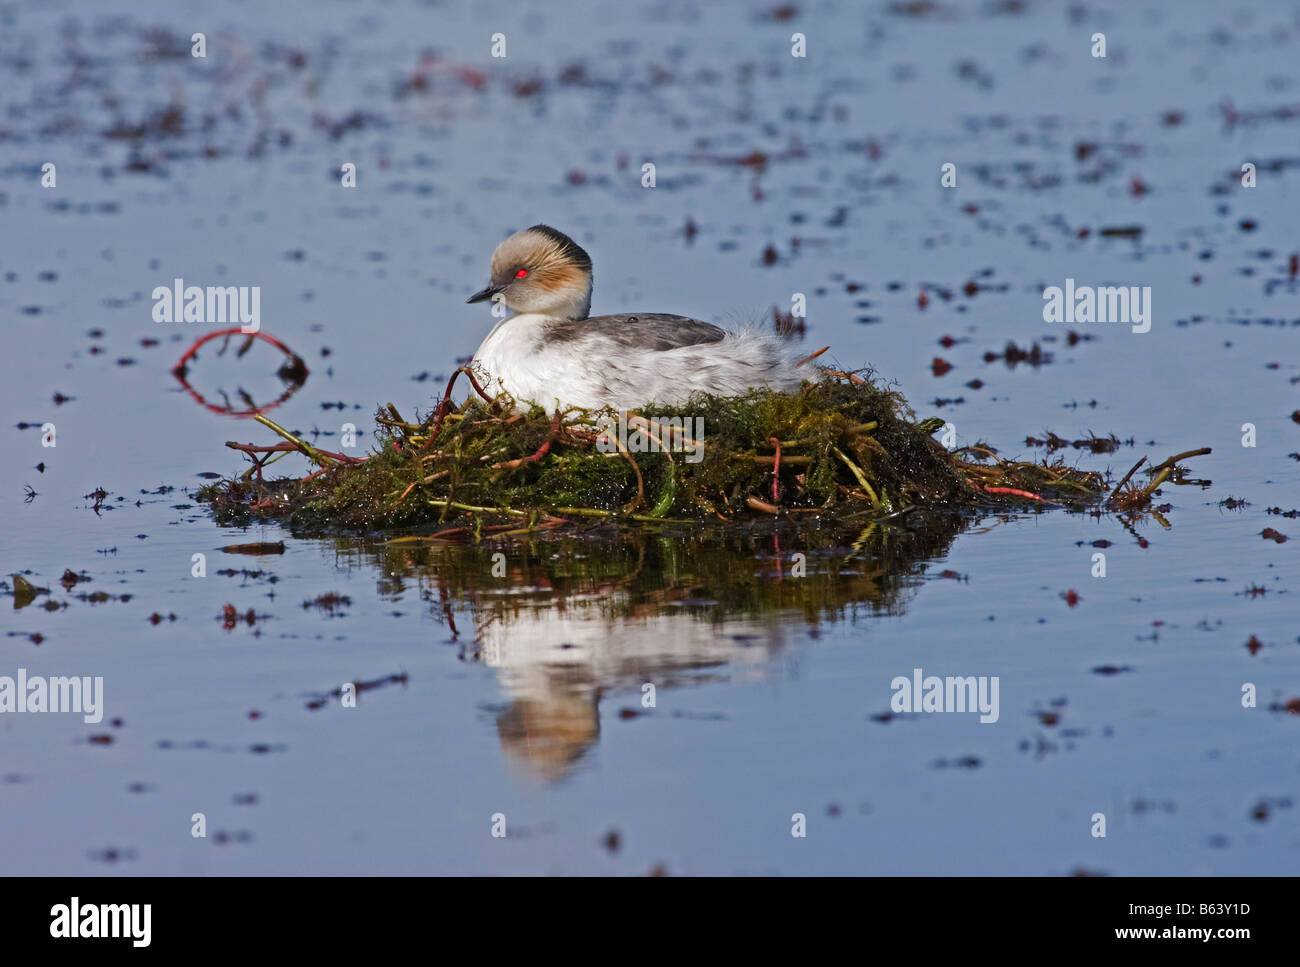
{"x": 551, "y": 353}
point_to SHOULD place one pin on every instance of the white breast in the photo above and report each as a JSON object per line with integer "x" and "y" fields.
{"x": 595, "y": 372}
{"x": 510, "y": 360}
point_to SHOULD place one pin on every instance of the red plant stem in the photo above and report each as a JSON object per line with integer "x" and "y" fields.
{"x": 286, "y": 447}
{"x": 541, "y": 451}
{"x": 341, "y": 457}
{"x": 261, "y": 447}
{"x": 477, "y": 389}
{"x": 1018, "y": 493}
{"x": 180, "y": 369}
{"x": 445, "y": 405}
{"x": 189, "y": 353}
{"x": 776, "y": 470}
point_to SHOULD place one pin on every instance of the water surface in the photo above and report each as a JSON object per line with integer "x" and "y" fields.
{"x": 520, "y": 693}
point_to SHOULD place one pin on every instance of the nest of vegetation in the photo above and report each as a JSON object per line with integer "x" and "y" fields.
{"x": 843, "y": 446}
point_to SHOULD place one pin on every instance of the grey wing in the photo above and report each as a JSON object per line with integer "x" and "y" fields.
{"x": 656, "y": 331}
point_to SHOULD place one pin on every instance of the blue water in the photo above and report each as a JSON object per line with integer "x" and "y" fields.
{"x": 760, "y": 713}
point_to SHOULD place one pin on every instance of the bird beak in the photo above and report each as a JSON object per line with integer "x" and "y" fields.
{"x": 487, "y": 293}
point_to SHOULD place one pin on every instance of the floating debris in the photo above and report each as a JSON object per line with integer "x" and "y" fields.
{"x": 1013, "y": 354}
{"x": 25, "y": 592}
{"x": 1092, "y": 443}
{"x": 1122, "y": 231}
{"x": 260, "y": 547}
{"x": 330, "y": 602}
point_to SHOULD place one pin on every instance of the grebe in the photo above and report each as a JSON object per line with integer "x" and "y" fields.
{"x": 551, "y": 353}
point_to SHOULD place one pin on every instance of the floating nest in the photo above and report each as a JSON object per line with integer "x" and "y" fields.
{"x": 843, "y": 446}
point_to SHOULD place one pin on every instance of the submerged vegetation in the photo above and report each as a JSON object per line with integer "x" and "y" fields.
{"x": 844, "y": 446}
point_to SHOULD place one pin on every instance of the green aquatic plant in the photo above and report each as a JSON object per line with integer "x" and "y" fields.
{"x": 843, "y": 445}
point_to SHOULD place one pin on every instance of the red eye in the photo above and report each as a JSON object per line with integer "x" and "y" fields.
{"x": 521, "y": 273}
